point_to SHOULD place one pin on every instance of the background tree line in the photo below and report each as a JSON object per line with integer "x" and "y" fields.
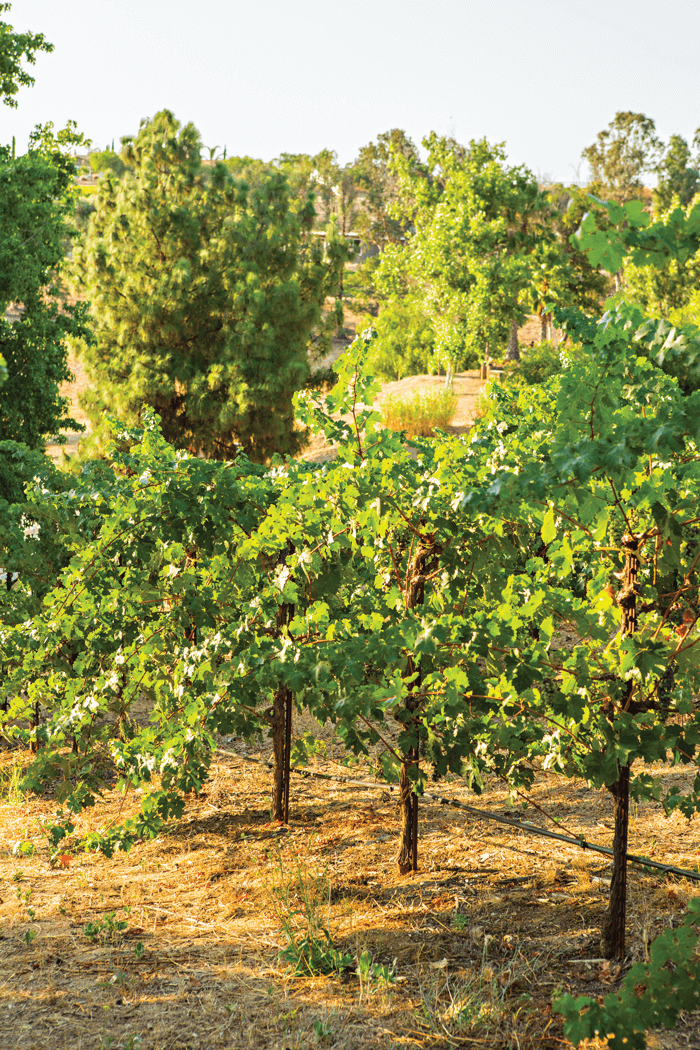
{"x": 208, "y": 284}
{"x": 451, "y": 253}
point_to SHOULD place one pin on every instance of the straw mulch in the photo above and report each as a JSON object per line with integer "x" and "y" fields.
{"x": 492, "y": 925}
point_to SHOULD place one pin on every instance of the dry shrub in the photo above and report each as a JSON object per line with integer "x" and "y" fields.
{"x": 421, "y": 413}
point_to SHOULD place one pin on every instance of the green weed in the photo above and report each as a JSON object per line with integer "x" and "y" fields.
{"x": 298, "y": 897}
{"x": 370, "y": 973}
{"x": 107, "y": 929}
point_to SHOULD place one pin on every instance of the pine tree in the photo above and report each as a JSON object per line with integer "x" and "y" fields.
{"x": 204, "y": 293}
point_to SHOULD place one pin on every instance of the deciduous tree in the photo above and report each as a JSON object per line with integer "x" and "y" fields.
{"x": 622, "y": 153}
{"x": 15, "y": 49}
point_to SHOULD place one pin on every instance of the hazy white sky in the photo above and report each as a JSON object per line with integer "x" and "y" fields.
{"x": 264, "y": 77}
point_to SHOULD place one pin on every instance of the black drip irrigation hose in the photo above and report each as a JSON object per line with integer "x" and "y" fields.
{"x": 530, "y": 829}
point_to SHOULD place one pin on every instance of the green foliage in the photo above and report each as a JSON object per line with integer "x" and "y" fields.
{"x": 204, "y": 294}
{"x": 652, "y": 994}
{"x": 331, "y": 186}
{"x": 404, "y": 343}
{"x": 375, "y": 173}
{"x": 539, "y": 363}
{"x": 678, "y": 174}
{"x": 474, "y": 221}
{"x": 627, "y": 232}
{"x": 623, "y": 152}
{"x": 108, "y": 928}
{"x": 107, "y": 161}
{"x": 566, "y": 278}
{"x": 370, "y": 972}
{"x": 670, "y": 288}
{"x": 35, "y": 198}
{"x": 16, "y": 48}
{"x": 416, "y": 584}
{"x": 420, "y": 413}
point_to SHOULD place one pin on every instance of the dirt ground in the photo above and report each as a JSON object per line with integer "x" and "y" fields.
{"x": 492, "y": 925}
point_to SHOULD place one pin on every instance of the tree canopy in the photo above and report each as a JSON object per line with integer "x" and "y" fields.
{"x": 36, "y": 206}
{"x": 474, "y": 221}
{"x": 203, "y": 295}
{"x": 16, "y": 49}
{"x": 622, "y": 153}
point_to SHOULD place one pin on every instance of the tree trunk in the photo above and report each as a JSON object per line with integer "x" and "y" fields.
{"x": 612, "y": 940}
{"x": 34, "y": 746}
{"x": 513, "y": 350}
{"x": 543, "y": 327}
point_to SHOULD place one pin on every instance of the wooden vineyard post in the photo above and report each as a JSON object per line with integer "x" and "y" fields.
{"x": 612, "y": 941}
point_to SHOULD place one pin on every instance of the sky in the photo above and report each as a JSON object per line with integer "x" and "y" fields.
{"x": 263, "y": 77}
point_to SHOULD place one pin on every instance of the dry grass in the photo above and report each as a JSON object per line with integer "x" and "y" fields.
{"x": 493, "y": 923}
{"x": 421, "y": 413}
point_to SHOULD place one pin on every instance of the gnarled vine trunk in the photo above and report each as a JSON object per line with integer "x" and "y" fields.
{"x": 407, "y": 857}
{"x": 281, "y": 726}
{"x": 612, "y": 940}
{"x": 281, "y": 723}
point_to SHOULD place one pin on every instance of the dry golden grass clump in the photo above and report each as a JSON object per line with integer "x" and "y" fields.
{"x": 421, "y": 413}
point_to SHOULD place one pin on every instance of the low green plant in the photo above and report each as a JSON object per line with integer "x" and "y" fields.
{"x": 652, "y": 994}
{"x": 421, "y": 413}
{"x": 108, "y": 928}
{"x": 298, "y": 897}
{"x": 24, "y": 848}
{"x": 369, "y": 972}
{"x": 324, "y": 1033}
{"x": 107, "y": 1042}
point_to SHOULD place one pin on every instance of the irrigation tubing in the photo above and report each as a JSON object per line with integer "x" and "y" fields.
{"x": 530, "y": 829}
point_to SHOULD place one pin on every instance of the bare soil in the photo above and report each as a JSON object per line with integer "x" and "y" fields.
{"x": 492, "y": 925}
